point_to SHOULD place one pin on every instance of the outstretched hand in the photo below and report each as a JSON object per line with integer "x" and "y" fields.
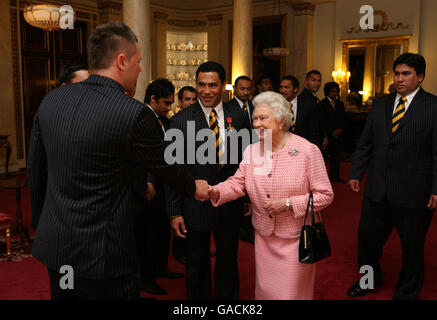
{"x": 201, "y": 193}
{"x": 213, "y": 193}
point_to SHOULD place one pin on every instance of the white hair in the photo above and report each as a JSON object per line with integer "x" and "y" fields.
{"x": 277, "y": 103}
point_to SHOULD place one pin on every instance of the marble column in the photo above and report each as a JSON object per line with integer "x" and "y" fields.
{"x": 303, "y": 26}
{"x": 161, "y": 44}
{"x": 369, "y": 72}
{"x": 136, "y": 15}
{"x": 214, "y": 37}
{"x": 109, "y": 11}
{"x": 242, "y": 60}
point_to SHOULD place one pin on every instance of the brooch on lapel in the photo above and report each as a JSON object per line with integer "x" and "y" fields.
{"x": 229, "y": 127}
{"x": 293, "y": 152}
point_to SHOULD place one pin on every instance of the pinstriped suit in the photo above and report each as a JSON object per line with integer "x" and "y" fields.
{"x": 201, "y": 218}
{"x": 402, "y": 175}
{"x": 87, "y": 143}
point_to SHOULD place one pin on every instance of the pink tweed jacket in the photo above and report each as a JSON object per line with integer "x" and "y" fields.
{"x": 291, "y": 172}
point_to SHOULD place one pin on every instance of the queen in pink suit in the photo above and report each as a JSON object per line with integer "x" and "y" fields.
{"x": 278, "y": 182}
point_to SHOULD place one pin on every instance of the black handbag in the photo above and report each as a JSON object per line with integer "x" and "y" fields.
{"x": 314, "y": 244}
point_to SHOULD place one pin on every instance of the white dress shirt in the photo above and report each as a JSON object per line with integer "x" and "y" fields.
{"x": 241, "y": 103}
{"x": 294, "y": 102}
{"x": 220, "y": 118}
{"x": 409, "y": 97}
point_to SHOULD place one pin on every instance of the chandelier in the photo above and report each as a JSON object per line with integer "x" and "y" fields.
{"x": 276, "y": 53}
{"x": 44, "y": 16}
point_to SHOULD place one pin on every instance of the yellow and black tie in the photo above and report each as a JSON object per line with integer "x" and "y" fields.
{"x": 214, "y": 126}
{"x": 245, "y": 106}
{"x": 292, "y": 117}
{"x": 398, "y": 115}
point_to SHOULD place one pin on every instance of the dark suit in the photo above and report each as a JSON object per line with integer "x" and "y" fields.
{"x": 402, "y": 176}
{"x": 308, "y": 98}
{"x": 201, "y": 218}
{"x": 249, "y": 104}
{"x": 307, "y": 121}
{"x": 246, "y": 230}
{"x": 334, "y": 119}
{"x": 87, "y": 142}
{"x": 153, "y": 229}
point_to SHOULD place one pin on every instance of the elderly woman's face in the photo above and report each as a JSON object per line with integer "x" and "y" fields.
{"x": 263, "y": 119}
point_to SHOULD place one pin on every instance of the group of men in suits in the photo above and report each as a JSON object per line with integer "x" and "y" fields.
{"x": 96, "y": 154}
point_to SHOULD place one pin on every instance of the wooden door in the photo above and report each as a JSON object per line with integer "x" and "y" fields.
{"x": 43, "y": 54}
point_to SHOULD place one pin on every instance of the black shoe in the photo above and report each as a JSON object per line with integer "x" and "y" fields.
{"x": 356, "y": 291}
{"x": 181, "y": 259}
{"x": 170, "y": 275}
{"x": 153, "y": 288}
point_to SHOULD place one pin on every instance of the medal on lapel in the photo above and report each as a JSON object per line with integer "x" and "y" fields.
{"x": 229, "y": 127}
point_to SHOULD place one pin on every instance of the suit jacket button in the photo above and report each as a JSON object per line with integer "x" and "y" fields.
{"x": 268, "y": 196}
{"x": 270, "y": 175}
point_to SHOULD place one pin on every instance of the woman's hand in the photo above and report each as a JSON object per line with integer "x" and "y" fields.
{"x": 275, "y": 206}
{"x": 213, "y": 193}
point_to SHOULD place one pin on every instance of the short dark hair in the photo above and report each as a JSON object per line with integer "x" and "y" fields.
{"x": 106, "y": 41}
{"x": 242, "y": 78}
{"x": 309, "y": 73}
{"x": 413, "y": 60}
{"x": 212, "y": 66}
{"x": 67, "y": 71}
{"x": 329, "y": 85}
{"x": 260, "y": 79}
{"x": 160, "y": 88}
{"x": 293, "y": 80}
{"x": 186, "y": 88}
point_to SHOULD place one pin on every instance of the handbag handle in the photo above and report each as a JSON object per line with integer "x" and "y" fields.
{"x": 311, "y": 201}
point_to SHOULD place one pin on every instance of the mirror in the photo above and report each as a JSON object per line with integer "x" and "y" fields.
{"x": 370, "y": 62}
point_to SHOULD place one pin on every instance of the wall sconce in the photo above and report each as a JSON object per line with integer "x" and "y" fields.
{"x": 341, "y": 76}
{"x": 48, "y": 17}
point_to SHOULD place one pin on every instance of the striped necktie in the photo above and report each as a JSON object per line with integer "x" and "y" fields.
{"x": 214, "y": 126}
{"x": 398, "y": 115}
{"x": 292, "y": 117}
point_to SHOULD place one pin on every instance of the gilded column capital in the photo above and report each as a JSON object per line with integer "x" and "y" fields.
{"x": 303, "y": 8}
{"x": 215, "y": 19}
{"x": 160, "y": 17}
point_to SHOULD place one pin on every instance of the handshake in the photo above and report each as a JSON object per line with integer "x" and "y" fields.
{"x": 205, "y": 192}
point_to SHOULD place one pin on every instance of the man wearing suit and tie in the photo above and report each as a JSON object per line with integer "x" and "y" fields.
{"x": 313, "y": 81}
{"x": 87, "y": 141}
{"x": 305, "y": 121}
{"x": 153, "y": 229}
{"x": 399, "y": 147}
{"x": 334, "y": 112}
{"x": 196, "y": 220}
{"x": 242, "y": 89}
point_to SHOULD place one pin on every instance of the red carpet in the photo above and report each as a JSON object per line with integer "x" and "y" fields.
{"x": 28, "y": 279}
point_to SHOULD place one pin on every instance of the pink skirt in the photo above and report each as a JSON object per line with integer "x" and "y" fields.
{"x": 279, "y": 274}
